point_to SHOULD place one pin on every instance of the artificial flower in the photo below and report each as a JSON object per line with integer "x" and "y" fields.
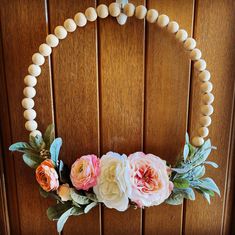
{"x": 113, "y": 184}
{"x": 64, "y": 192}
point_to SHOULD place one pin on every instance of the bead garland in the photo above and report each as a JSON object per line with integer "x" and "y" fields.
{"x": 115, "y": 10}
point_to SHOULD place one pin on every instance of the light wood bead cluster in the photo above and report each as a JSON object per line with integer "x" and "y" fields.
{"x": 115, "y": 10}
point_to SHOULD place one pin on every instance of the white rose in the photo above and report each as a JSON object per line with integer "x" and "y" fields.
{"x": 113, "y": 184}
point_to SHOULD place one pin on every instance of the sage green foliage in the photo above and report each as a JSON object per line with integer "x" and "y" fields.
{"x": 187, "y": 175}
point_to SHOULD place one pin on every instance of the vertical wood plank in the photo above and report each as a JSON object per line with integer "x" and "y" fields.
{"x": 167, "y": 88}
{"x": 217, "y": 45}
{"x": 122, "y": 88}
{"x": 21, "y": 36}
{"x": 76, "y": 92}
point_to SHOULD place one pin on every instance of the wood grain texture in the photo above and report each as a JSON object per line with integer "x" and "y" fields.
{"x": 21, "y": 37}
{"x": 167, "y": 89}
{"x": 121, "y": 55}
{"x": 217, "y": 45}
{"x": 76, "y": 92}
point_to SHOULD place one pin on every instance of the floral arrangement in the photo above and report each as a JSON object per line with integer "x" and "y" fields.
{"x": 139, "y": 180}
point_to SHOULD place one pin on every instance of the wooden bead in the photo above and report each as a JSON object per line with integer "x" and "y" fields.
{"x": 203, "y": 132}
{"x": 31, "y": 125}
{"x": 91, "y": 14}
{"x": 207, "y": 109}
{"x": 52, "y": 40}
{"x": 44, "y": 49}
{"x": 195, "y": 54}
{"x": 34, "y": 70}
{"x": 27, "y": 103}
{"x": 140, "y": 12}
{"x": 152, "y": 15}
{"x": 38, "y": 59}
{"x": 163, "y": 21}
{"x": 114, "y": 9}
{"x": 70, "y": 25}
{"x": 30, "y": 114}
{"x": 197, "y": 141}
{"x": 190, "y": 44}
{"x": 30, "y": 80}
{"x": 181, "y": 35}
{"x": 80, "y": 19}
{"x": 200, "y": 65}
{"x": 129, "y": 9}
{"x": 205, "y": 121}
{"x": 122, "y": 18}
{"x": 102, "y": 11}
{"x": 173, "y": 27}
{"x": 29, "y": 92}
{"x": 206, "y": 87}
{"x": 208, "y": 98}
{"x": 60, "y": 32}
{"x": 35, "y": 133}
{"x": 204, "y": 76}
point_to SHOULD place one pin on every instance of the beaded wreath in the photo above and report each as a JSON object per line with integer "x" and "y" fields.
{"x": 117, "y": 181}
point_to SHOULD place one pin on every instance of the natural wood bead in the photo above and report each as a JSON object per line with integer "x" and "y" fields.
{"x": 102, "y": 11}
{"x": 27, "y": 103}
{"x": 195, "y": 54}
{"x": 60, "y": 32}
{"x": 207, "y": 109}
{"x": 205, "y": 121}
{"x": 70, "y": 25}
{"x": 122, "y": 18}
{"x": 80, "y": 19}
{"x": 204, "y": 76}
{"x": 44, "y": 49}
{"x": 190, "y": 44}
{"x": 129, "y": 9}
{"x": 52, "y": 40}
{"x": 30, "y": 114}
{"x": 29, "y": 92}
{"x": 152, "y": 15}
{"x": 163, "y": 21}
{"x": 203, "y": 132}
{"x": 206, "y": 87}
{"x": 31, "y": 125}
{"x": 197, "y": 141}
{"x": 140, "y": 12}
{"x": 35, "y": 133}
{"x": 91, "y": 14}
{"x": 208, "y": 98}
{"x": 200, "y": 65}
{"x": 38, "y": 59}
{"x": 30, "y": 80}
{"x": 173, "y": 27}
{"x": 181, "y": 35}
{"x": 114, "y": 9}
{"x": 34, "y": 70}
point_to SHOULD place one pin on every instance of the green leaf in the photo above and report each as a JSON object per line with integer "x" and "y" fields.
{"x": 64, "y": 172}
{"x": 77, "y": 211}
{"x": 62, "y": 220}
{"x": 54, "y": 212}
{"x": 32, "y": 161}
{"x": 211, "y": 163}
{"x": 207, "y": 197}
{"x": 186, "y": 138}
{"x": 209, "y": 183}
{"x": 55, "y": 149}
{"x": 181, "y": 183}
{"x": 80, "y": 199}
{"x": 20, "y": 147}
{"x": 49, "y": 194}
{"x": 175, "y": 199}
{"x": 186, "y": 152}
{"x": 49, "y": 135}
{"x": 90, "y": 206}
{"x": 91, "y": 196}
{"x": 37, "y": 142}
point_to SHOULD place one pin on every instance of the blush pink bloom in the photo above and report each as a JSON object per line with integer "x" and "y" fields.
{"x": 149, "y": 179}
{"x": 84, "y": 172}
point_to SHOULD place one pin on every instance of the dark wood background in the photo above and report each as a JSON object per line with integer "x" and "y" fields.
{"x": 121, "y": 88}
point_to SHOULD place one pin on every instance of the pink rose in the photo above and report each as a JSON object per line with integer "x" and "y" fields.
{"x": 149, "y": 179}
{"x": 84, "y": 172}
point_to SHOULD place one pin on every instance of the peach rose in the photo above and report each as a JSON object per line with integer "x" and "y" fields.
{"x": 64, "y": 192}
{"x": 149, "y": 179}
{"x": 84, "y": 172}
{"x": 47, "y": 176}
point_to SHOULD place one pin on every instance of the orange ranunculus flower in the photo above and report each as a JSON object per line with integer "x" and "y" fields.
{"x": 47, "y": 176}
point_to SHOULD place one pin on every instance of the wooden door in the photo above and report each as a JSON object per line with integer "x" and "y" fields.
{"x": 121, "y": 88}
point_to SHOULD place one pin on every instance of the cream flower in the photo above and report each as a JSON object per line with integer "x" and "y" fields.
{"x": 113, "y": 184}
